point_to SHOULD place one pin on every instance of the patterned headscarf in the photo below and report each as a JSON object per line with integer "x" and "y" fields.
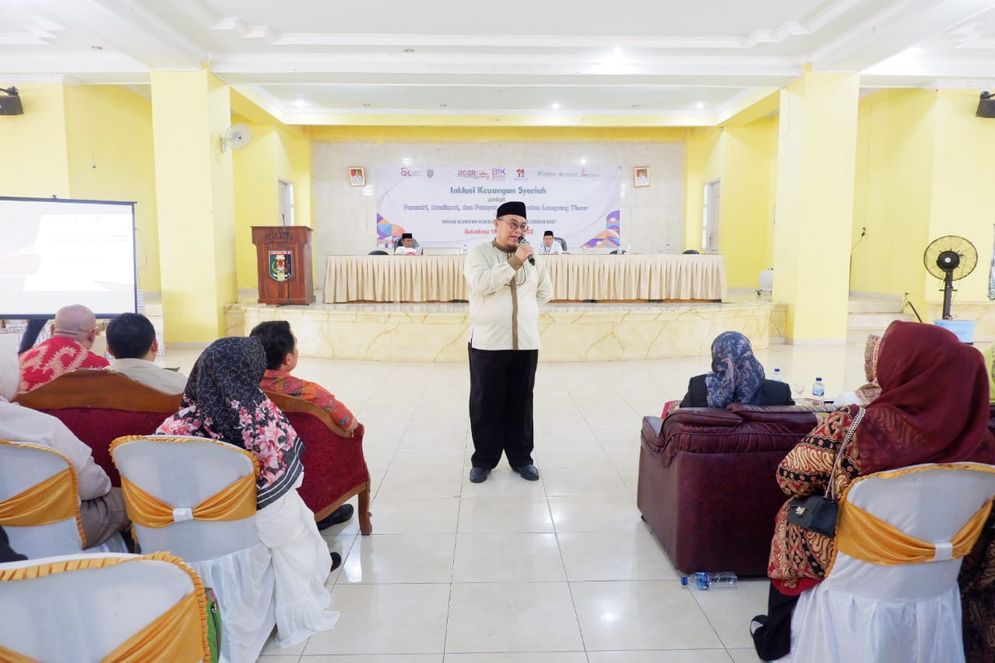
{"x": 736, "y": 375}
{"x": 224, "y": 380}
{"x": 867, "y": 393}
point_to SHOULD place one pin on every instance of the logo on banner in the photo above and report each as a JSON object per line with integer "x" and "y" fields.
{"x": 281, "y": 266}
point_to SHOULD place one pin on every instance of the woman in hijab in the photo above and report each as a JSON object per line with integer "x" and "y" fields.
{"x": 917, "y": 418}
{"x": 223, "y": 401}
{"x": 736, "y": 377}
{"x": 864, "y": 395}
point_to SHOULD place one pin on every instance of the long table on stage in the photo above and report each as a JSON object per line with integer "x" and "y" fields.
{"x": 580, "y": 277}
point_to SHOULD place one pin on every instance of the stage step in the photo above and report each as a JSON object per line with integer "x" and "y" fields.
{"x": 875, "y": 304}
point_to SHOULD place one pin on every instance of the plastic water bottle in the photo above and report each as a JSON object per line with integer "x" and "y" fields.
{"x": 464, "y": 248}
{"x": 777, "y": 375}
{"x": 818, "y": 389}
{"x": 705, "y": 580}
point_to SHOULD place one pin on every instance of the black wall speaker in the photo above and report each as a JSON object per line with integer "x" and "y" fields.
{"x": 986, "y": 107}
{"x": 10, "y": 102}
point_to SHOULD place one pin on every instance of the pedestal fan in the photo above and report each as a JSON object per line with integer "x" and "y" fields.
{"x": 950, "y": 258}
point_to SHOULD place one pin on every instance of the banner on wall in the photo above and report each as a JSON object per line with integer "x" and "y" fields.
{"x": 452, "y": 206}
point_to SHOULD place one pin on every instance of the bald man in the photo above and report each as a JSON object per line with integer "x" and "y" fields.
{"x": 73, "y": 333}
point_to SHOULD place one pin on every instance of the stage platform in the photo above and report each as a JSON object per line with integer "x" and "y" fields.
{"x": 571, "y": 332}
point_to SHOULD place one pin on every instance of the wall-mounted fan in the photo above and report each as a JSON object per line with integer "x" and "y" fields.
{"x": 237, "y": 137}
{"x": 950, "y": 258}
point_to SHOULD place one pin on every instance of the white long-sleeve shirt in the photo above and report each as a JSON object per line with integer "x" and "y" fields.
{"x": 21, "y": 424}
{"x": 504, "y": 298}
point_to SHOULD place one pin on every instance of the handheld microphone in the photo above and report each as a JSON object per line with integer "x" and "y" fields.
{"x": 532, "y": 260}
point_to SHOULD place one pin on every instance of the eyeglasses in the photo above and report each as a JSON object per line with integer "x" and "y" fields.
{"x": 514, "y": 225}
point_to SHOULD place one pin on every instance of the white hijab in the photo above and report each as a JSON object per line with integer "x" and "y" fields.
{"x": 10, "y": 371}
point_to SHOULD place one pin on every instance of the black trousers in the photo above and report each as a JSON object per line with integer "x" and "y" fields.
{"x": 501, "y": 383}
{"x": 773, "y": 640}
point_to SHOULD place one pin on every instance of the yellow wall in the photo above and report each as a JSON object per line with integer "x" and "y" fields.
{"x": 471, "y": 134}
{"x": 743, "y": 158}
{"x": 275, "y": 153}
{"x": 815, "y": 185}
{"x": 35, "y": 144}
{"x": 924, "y": 170}
{"x": 703, "y": 159}
{"x": 963, "y": 178}
{"x": 892, "y": 194}
{"x": 746, "y": 208}
{"x": 110, "y": 158}
{"x": 195, "y": 202}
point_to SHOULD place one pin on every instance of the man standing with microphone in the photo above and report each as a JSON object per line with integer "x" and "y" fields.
{"x": 507, "y": 287}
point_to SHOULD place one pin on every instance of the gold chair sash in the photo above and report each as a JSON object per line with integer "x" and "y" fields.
{"x": 50, "y": 501}
{"x": 53, "y": 500}
{"x": 866, "y": 537}
{"x": 8, "y": 656}
{"x": 179, "y": 634}
{"x": 235, "y": 502}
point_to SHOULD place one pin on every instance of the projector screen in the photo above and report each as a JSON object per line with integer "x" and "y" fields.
{"x": 59, "y": 252}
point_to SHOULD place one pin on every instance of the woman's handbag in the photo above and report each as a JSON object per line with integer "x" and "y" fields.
{"x": 818, "y": 513}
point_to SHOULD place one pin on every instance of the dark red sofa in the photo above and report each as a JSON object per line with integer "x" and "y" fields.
{"x": 706, "y": 482}
{"x": 100, "y": 406}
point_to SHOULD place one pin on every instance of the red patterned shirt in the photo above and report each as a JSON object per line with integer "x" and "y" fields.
{"x": 52, "y": 358}
{"x": 284, "y": 383}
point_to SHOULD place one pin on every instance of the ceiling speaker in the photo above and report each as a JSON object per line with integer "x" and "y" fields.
{"x": 10, "y": 102}
{"x": 986, "y": 107}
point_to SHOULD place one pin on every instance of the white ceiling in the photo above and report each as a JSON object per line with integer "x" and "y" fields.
{"x": 648, "y": 62}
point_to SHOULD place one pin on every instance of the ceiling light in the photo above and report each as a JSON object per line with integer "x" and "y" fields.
{"x": 700, "y": 105}
{"x": 300, "y": 103}
{"x": 406, "y": 161}
{"x": 583, "y": 161}
{"x": 556, "y": 105}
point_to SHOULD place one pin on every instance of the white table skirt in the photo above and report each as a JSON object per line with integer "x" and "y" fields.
{"x": 575, "y": 278}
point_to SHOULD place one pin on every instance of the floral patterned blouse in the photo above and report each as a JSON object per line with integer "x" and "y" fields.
{"x": 266, "y": 434}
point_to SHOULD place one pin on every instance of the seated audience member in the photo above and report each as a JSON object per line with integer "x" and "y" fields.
{"x": 917, "y": 418}
{"x": 864, "y": 395}
{"x": 73, "y": 333}
{"x": 736, "y": 377}
{"x": 281, "y": 358}
{"x": 101, "y": 506}
{"x": 131, "y": 339}
{"x": 549, "y": 244}
{"x": 407, "y": 246}
{"x": 223, "y": 401}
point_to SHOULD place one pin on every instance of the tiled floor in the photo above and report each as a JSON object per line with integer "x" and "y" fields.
{"x": 557, "y": 571}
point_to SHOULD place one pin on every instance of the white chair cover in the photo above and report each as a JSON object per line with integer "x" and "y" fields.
{"x": 81, "y": 616}
{"x": 227, "y": 555}
{"x": 22, "y": 467}
{"x": 874, "y": 613}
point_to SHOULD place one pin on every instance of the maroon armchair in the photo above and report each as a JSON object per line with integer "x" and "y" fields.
{"x": 100, "y": 406}
{"x": 706, "y": 482}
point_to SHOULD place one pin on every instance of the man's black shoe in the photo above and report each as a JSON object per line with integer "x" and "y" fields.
{"x": 478, "y": 474}
{"x": 527, "y": 472}
{"x": 336, "y": 561}
{"x": 340, "y": 515}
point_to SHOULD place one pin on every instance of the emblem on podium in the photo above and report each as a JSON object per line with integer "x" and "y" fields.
{"x": 280, "y": 266}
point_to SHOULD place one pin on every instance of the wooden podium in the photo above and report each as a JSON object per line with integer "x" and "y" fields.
{"x": 283, "y": 259}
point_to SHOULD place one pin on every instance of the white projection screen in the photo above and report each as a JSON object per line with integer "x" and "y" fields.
{"x": 58, "y": 252}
